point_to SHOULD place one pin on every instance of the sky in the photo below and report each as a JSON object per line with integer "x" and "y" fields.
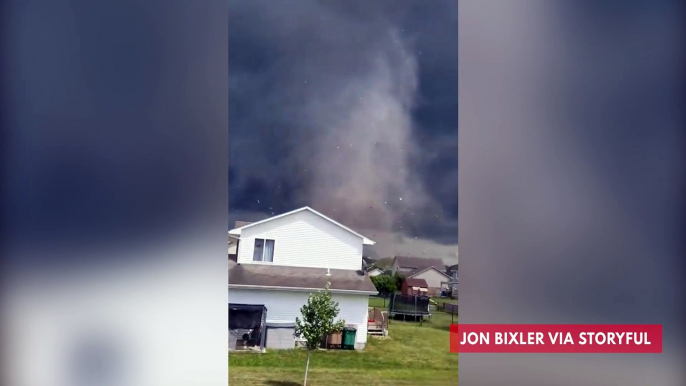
{"x": 349, "y": 107}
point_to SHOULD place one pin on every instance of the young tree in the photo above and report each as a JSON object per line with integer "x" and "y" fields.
{"x": 385, "y": 284}
{"x": 318, "y": 321}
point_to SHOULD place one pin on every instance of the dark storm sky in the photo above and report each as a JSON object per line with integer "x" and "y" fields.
{"x": 346, "y": 106}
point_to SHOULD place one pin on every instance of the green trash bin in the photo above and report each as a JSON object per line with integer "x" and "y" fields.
{"x": 349, "y": 338}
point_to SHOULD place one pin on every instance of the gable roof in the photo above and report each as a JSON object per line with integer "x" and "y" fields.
{"x": 420, "y": 270}
{"x": 365, "y": 240}
{"x": 412, "y": 282}
{"x": 417, "y": 262}
{"x": 298, "y": 278}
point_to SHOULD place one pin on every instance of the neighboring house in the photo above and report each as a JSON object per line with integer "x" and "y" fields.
{"x": 451, "y": 271}
{"x": 414, "y": 287}
{"x": 234, "y": 241}
{"x": 429, "y": 269}
{"x": 435, "y": 279}
{"x": 233, "y": 248}
{"x": 452, "y": 284}
{"x": 405, "y": 264}
{"x": 282, "y": 259}
{"x": 373, "y": 271}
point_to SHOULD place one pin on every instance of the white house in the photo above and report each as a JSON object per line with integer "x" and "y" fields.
{"x": 282, "y": 259}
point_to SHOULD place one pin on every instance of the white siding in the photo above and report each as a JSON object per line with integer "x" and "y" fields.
{"x": 304, "y": 239}
{"x": 433, "y": 278}
{"x": 284, "y": 306}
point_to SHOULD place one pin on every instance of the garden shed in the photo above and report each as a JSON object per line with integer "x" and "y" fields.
{"x": 247, "y": 323}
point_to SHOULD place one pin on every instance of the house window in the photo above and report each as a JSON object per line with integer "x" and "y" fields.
{"x": 264, "y": 250}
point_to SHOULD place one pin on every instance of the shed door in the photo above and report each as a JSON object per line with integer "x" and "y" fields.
{"x": 280, "y": 337}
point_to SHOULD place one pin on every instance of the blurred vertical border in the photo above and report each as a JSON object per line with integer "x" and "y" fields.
{"x": 114, "y": 192}
{"x": 573, "y": 181}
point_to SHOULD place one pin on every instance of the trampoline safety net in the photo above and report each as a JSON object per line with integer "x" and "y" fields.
{"x": 409, "y": 305}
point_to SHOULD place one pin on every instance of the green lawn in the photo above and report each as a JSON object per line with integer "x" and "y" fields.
{"x": 414, "y": 355}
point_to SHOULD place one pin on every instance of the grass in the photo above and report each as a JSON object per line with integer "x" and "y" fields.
{"x": 413, "y": 355}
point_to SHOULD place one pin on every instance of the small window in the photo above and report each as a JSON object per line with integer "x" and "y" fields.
{"x": 259, "y": 250}
{"x": 264, "y": 250}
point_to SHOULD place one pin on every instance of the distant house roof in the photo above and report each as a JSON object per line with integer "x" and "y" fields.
{"x": 240, "y": 224}
{"x": 365, "y": 240}
{"x": 417, "y": 262}
{"x": 451, "y": 268}
{"x": 282, "y": 277}
{"x": 413, "y": 282}
{"x": 417, "y": 271}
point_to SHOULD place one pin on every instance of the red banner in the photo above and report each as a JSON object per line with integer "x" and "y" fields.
{"x": 556, "y": 338}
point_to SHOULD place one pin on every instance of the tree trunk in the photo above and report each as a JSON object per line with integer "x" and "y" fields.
{"x": 307, "y": 367}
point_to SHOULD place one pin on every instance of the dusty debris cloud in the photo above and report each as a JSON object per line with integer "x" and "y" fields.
{"x": 326, "y": 97}
{"x": 361, "y": 170}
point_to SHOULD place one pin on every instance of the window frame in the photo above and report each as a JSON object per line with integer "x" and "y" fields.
{"x": 264, "y": 244}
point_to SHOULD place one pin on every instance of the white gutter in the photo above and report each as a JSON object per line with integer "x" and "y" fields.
{"x": 300, "y": 289}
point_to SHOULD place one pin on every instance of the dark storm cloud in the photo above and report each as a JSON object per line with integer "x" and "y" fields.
{"x": 349, "y": 107}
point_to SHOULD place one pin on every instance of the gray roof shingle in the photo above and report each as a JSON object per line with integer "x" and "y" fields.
{"x": 420, "y": 270}
{"x": 298, "y": 277}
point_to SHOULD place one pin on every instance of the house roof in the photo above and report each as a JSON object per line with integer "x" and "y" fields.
{"x": 417, "y": 271}
{"x": 417, "y": 262}
{"x": 282, "y": 277}
{"x": 237, "y": 230}
{"x": 413, "y": 282}
{"x": 451, "y": 267}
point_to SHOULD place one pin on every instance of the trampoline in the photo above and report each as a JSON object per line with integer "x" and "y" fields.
{"x": 247, "y": 325}
{"x": 409, "y": 306}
